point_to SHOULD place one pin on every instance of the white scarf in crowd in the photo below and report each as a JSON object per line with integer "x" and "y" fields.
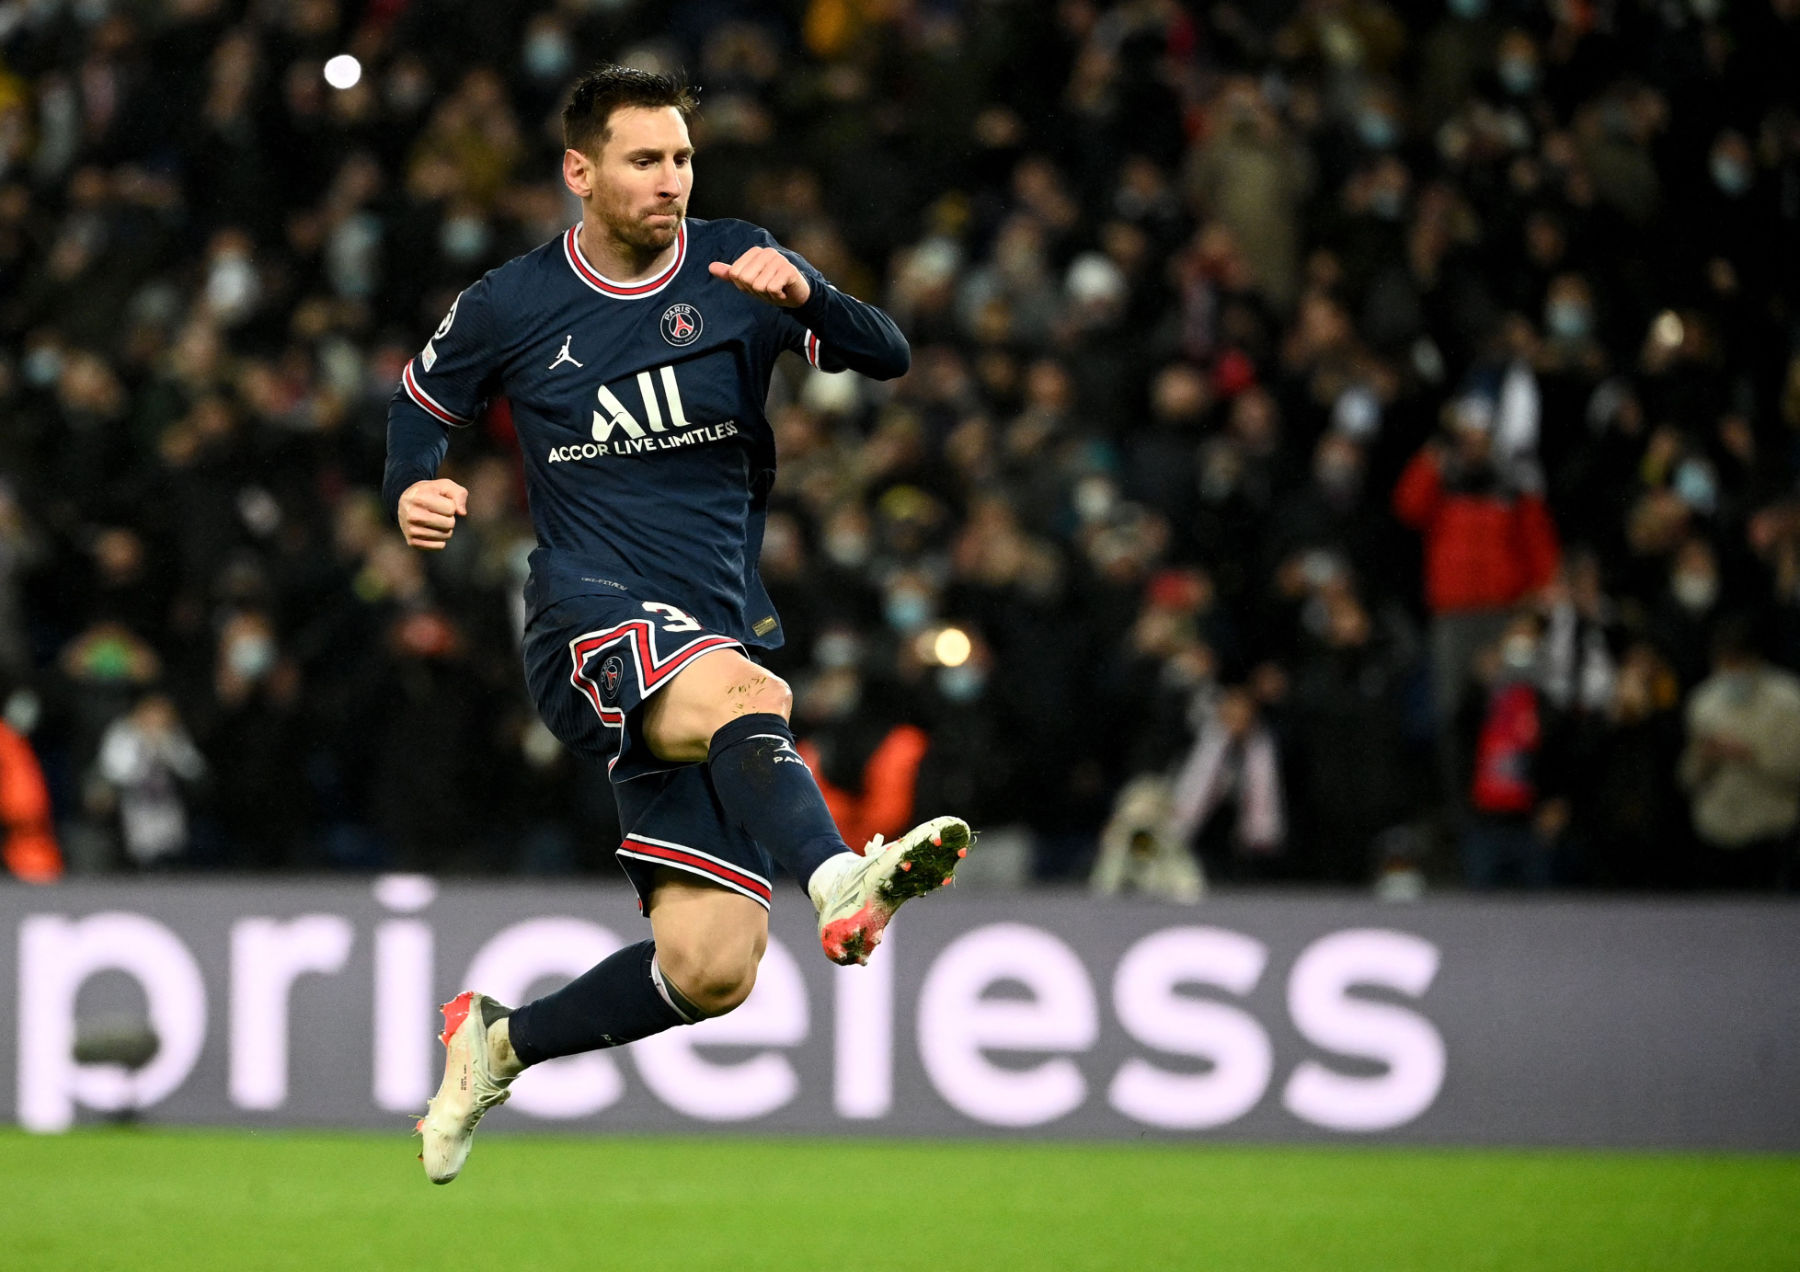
{"x": 1205, "y": 780}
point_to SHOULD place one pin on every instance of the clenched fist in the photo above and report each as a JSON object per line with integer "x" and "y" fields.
{"x": 766, "y": 274}
{"x": 428, "y": 512}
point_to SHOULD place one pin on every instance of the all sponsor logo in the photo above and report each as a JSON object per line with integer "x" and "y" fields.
{"x": 1116, "y": 1041}
{"x": 682, "y": 325}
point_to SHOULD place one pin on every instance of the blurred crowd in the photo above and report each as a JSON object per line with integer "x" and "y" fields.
{"x": 1348, "y": 441}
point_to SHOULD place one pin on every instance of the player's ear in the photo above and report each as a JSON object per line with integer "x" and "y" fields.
{"x": 578, "y": 173}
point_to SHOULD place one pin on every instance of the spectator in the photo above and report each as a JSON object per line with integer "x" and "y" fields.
{"x": 27, "y": 839}
{"x": 1518, "y": 809}
{"x": 1489, "y": 544}
{"x": 1741, "y": 765}
{"x": 1187, "y": 288}
{"x": 1228, "y": 799}
{"x": 144, "y": 781}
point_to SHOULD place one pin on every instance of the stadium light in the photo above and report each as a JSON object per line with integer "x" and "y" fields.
{"x": 952, "y": 647}
{"x": 343, "y": 71}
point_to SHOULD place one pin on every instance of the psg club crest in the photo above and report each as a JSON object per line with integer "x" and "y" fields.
{"x": 612, "y": 675}
{"x": 681, "y": 325}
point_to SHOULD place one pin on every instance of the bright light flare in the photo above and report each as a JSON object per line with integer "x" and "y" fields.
{"x": 952, "y": 647}
{"x": 343, "y": 71}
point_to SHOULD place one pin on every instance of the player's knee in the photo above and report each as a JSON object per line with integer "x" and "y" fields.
{"x": 764, "y": 694}
{"x": 713, "y": 981}
{"x": 772, "y": 696}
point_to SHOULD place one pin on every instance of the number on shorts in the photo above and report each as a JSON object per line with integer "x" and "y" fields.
{"x": 678, "y": 620}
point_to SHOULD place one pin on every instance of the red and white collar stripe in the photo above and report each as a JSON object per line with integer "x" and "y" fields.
{"x": 624, "y": 291}
{"x": 425, "y": 401}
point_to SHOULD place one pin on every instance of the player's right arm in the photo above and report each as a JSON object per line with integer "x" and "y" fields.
{"x": 440, "y": 389}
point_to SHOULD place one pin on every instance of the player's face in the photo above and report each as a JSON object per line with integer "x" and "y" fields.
{"x": 642, "y": 177}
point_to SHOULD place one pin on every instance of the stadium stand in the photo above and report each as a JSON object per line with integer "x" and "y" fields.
{"x": 1349, "y": 426}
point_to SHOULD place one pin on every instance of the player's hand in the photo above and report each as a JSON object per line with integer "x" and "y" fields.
{"x": 428, "y": 512}
{"x": 767, "y": 275}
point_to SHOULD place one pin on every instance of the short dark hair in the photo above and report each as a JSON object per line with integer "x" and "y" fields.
{"x": 606, "y": 88}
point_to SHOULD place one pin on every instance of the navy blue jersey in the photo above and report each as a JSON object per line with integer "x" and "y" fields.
{"x": 639, "y": 412}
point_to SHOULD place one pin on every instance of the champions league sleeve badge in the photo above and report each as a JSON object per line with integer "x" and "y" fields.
{"x": 682, "y": 325}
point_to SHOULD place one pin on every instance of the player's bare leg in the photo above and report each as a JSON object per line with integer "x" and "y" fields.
{"x": 725, "y": 710}
{"x": 709, "y": 941}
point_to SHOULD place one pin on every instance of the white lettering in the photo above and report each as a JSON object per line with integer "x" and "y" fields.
{"x": 267, "y": 957}
{"x": 957, "y": 1025}
{"x": 405, "y": 966}
{"x": 56, "y": 956}
{"x": 1324, "y": 1011}
{"x": 863, "y": 1036}
{"x": 775, "y": 1015}
{"x": 616, "y": 417}
{"x": 652, "y": 408}
{"x": 1153, "y": 1012}
{"x": 507, "y": 967}
{"x": 676, "y": 415}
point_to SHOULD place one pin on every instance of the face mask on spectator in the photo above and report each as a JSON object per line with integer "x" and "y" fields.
{"x": 847, "y": 549}
{"x": 251, "y": 656}
{"x": 1518, "y": 74}
{"x": 1468, "y": 10}
{"x": 1377, "y": 129}
{"x": 1694, "y": 483}
{"x": 548, "y": 55}
{"x": 961, "y": 684}
{"x": 41, "y": 366}
{"x": 1694, "y": 590}
{"x": 836, "y": 649}
{"x": 906, "y": 610}
{"x": 231, "y": 286}
{"x": 1568, "y": 319}
{"x": 1518, "y": 653}
{"x": 1730, "y": 174}
{"x": 464, "y": 238}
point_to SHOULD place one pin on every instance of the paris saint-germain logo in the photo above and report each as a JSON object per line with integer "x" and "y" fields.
{"x": 612, "y": 674}
{"x": 681, "y": 325}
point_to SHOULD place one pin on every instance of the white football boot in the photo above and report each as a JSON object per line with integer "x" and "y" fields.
{"x": 856, "y": 900}
{"x": 469, "y": 1090}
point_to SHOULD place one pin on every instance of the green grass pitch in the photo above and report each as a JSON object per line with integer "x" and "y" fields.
{"x": 147, "y": 1200}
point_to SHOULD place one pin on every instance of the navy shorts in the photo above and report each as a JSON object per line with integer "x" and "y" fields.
{"x": 590, "y": 663}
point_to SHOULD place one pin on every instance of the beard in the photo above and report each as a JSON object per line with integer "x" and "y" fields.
{"x": 639, "y": 233}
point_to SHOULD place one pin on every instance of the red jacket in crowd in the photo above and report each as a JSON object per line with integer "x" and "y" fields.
{"x": 1483, "y": 549}
{"x": 27, "y": 844}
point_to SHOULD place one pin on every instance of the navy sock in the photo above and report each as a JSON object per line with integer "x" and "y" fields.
{"x": 612, "y": 1003}
{"x": 766, "y": 788}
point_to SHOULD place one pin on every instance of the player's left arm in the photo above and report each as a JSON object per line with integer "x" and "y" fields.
{"x": 840, "y": 333}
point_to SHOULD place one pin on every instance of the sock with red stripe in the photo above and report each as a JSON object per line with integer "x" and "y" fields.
{"x": 619, "y": 1000}
{"x": 767, "y": 789}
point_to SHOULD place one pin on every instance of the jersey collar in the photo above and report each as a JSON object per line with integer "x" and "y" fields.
{"x": 624, "y": 291}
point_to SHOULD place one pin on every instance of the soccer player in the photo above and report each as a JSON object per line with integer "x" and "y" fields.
{"x": 636, "y": 351}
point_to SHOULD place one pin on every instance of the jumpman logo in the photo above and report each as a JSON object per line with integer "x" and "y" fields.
{"x": 565, "y": 355}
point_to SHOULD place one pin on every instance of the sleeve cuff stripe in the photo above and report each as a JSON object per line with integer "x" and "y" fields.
{"x": 812, "y": 348}
{"x": 424, "y": 400}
